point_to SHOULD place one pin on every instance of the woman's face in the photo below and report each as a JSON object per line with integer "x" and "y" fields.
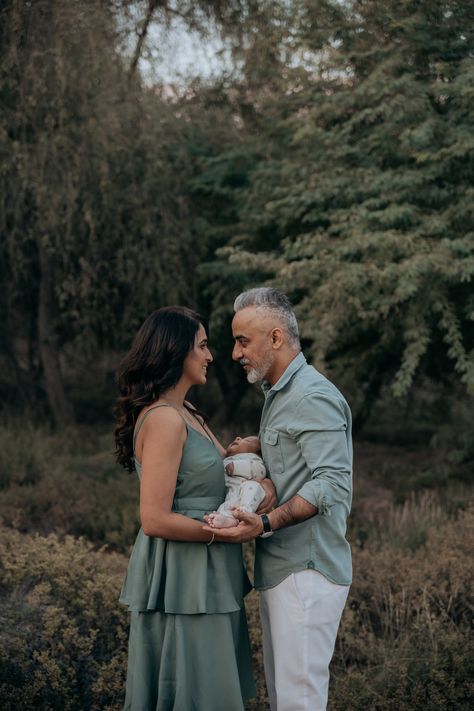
{"x": 196, "y": 362}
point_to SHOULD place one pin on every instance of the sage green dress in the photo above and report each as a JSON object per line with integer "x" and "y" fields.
{"x": 188, "y": 648}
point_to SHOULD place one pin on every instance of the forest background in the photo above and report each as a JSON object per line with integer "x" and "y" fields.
{"x": 330, "y": 152}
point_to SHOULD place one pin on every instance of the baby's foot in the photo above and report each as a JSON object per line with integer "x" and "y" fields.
{"x": 218, "y": 520}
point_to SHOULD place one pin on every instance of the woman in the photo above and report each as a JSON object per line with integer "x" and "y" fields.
{"x": 188, "y": 646}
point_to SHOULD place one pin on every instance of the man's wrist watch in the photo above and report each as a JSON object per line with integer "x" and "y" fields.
{"x": 267, "y": 529}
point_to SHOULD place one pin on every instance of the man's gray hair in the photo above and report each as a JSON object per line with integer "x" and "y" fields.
{"x": 270, "y": 299}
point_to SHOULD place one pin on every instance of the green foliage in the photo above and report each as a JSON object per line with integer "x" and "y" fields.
{"x": 365, "y": 186}
{"x": 433, "y": 430}
{"x": 334, "y": 160}
{"x": 65, "y": 482}
{"x": 96, "y": 226}
{"x": 63, "y": 635}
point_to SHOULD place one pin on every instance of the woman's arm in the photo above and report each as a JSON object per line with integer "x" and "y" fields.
{"x": 159, "y": 447}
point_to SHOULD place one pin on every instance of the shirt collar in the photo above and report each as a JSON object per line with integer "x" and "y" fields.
{"x": 297, "y": 363}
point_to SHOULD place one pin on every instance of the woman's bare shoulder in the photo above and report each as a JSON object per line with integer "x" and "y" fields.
{"x": 163, "y": 416}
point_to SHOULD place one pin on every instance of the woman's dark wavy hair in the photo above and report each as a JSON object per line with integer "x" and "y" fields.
{"x": 153, "y": 365}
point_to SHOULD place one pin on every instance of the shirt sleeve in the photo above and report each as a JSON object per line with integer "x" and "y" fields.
{"x": 319, "y": 427}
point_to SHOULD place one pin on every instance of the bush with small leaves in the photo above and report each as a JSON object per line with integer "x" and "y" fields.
{"x": 63, "y": 636}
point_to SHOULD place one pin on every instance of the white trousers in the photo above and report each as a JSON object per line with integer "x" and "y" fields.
{"x": 300, "y": 618}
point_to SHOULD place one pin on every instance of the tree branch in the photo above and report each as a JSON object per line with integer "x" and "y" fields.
{"x": 152, "y": 5}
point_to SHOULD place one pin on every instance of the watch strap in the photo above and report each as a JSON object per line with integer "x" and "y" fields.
{"x": 266, "y": 524}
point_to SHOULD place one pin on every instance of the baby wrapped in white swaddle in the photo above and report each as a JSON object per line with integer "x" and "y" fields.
{"x": 244, "y": 468}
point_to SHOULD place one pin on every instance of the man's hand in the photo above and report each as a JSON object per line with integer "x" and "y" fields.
{"x": 270, "y": 500}
{"x": 250, "y": 526}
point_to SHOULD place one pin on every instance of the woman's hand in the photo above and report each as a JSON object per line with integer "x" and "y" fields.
{"x": 250, "y": 526}
{"x": 270, "y": 500}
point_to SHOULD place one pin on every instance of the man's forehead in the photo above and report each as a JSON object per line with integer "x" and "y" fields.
{"x": 248, "y": 320}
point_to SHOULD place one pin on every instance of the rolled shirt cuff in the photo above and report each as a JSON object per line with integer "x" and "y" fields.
{"x": 313, "y": 495}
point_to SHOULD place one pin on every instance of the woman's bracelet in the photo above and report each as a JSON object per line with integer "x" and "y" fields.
{"x": 212, "y": 540}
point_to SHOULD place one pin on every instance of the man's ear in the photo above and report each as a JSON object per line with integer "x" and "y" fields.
{"x": 277, "y": 338}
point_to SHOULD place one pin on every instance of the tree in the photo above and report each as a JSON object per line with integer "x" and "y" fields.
{"x": 95, "y": 224}
{"x": 364, "y": 194}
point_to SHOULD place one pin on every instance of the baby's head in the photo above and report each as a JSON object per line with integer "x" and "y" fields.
{"x": 243, "y": 445}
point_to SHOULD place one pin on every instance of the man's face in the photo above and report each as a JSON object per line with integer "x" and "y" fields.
{"x": 253, "y": 343}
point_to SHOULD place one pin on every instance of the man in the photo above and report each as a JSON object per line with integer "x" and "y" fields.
{"x": 303, "y": 560}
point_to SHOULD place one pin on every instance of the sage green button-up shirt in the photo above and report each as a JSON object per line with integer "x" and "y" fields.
{"x": 305, "y": 435}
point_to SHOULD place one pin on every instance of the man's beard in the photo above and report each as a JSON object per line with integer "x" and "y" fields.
{"x": 258, "y": 373}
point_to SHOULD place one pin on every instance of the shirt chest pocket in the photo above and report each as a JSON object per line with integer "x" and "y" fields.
{"x": 272, "y": 451}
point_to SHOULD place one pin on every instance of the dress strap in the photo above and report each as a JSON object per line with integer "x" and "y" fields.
{"x": 142, "y": 419}
{"x": 200, "y": 420}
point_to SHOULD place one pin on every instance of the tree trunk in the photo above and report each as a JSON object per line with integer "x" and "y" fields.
{"x": 48, "y": 348}
{"x": 35, "y": 391}
{"x": 152, "y": 5}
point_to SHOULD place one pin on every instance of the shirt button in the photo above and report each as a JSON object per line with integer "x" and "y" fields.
{"x": 311, "y": 565}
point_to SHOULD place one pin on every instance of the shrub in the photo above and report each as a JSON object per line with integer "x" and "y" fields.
{"x": 64, "y": 634}
{"x": 405, "y": 641}
{"x": 66, "y": 482}
{"x": 27, "y": 448}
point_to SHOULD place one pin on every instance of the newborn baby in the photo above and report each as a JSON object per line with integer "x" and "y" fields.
{"x": 244, "y": 468}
